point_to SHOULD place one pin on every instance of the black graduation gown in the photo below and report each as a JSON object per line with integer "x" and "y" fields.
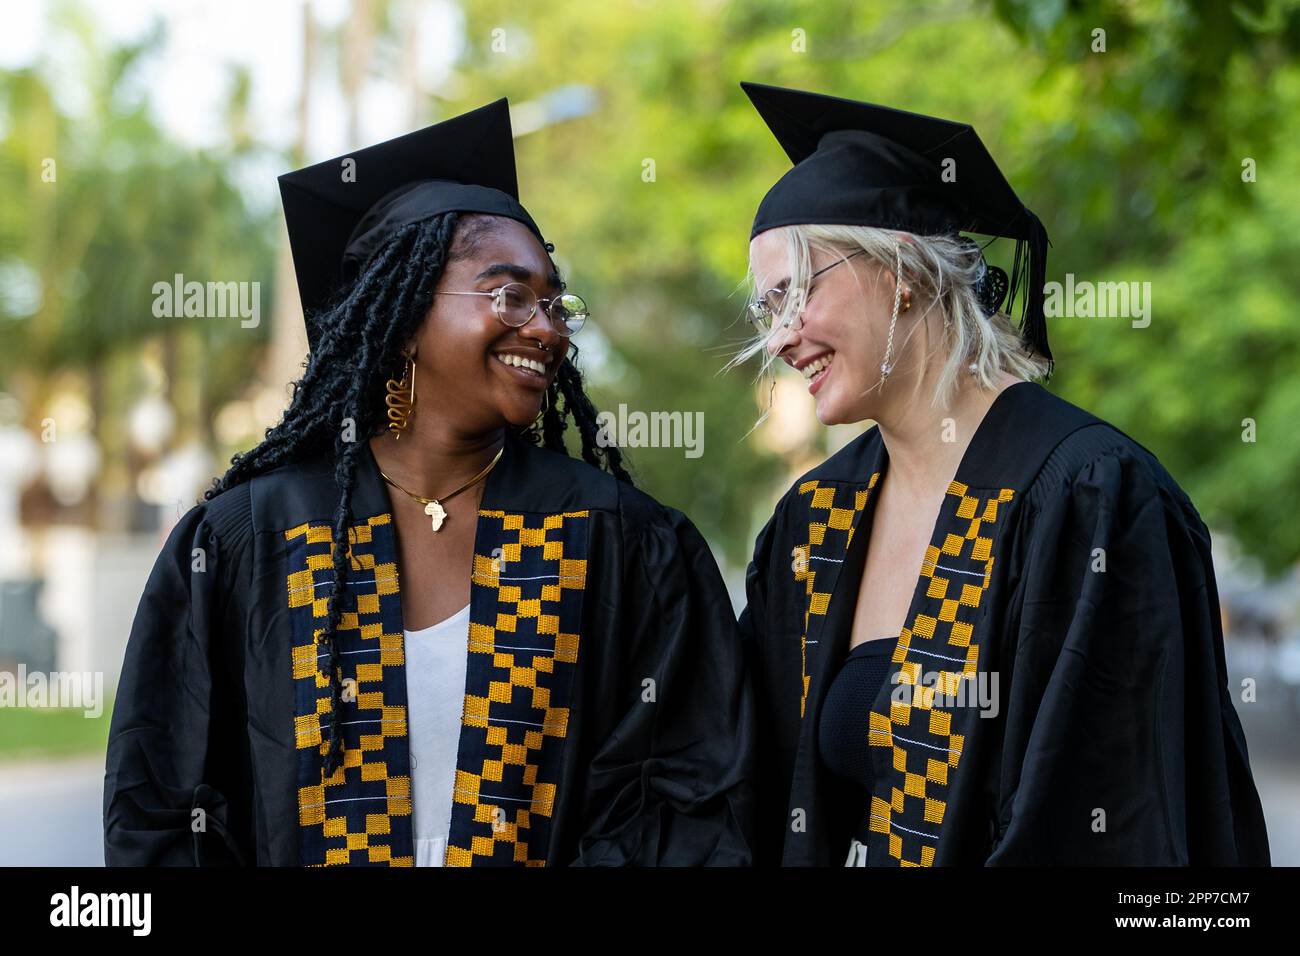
{"x": 604, "y": 715}
{"x": 1114, "y": 741}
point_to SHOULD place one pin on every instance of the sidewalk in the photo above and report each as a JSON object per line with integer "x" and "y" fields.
{"x": 51, "y": 812}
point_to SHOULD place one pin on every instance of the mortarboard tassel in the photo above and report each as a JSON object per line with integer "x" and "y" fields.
{"x": 1028, "y": 275}
{"x": 1035, "y": 324}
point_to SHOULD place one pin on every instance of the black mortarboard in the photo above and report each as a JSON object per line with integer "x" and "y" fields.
{"x": 867, "y": 165}
{"x": 337, "y": 221}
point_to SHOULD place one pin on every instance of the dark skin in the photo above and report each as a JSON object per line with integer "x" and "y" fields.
{"x": 465, "y": 397}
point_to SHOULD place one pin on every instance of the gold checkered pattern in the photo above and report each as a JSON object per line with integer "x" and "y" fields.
{"x": 525, "y": 619}
{"x": 955, "y": 573}
{"x": 370, "y": 793}
{"x": 833, "y": 512}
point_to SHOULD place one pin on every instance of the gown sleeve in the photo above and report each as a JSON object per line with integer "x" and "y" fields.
{"x": 769, "y": 793}
{"x": 170, "y": 733}
{"x": 1122, "y": 746}
{"x": 666, "y": 783}
{"x": 754, "y": 616}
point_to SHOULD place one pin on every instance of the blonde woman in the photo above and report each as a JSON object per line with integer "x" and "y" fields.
{"x": 986, "y": 631}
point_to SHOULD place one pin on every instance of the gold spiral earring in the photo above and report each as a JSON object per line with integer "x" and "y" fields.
{"x": 401, "y": 398}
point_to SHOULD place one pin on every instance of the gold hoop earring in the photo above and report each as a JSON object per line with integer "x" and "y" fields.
{"x": 401, "y": 398}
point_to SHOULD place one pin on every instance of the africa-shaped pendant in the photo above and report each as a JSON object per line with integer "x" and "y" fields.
{"x": 437, "y": 513}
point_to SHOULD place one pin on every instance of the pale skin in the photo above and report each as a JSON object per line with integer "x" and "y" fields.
{"x": 465, "y": 397}
{"x": 846, "y": 315}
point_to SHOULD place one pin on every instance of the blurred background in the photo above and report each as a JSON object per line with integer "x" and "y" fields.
{"x": 140, "y": 139}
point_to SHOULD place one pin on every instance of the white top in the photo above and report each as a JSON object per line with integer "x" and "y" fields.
{"x": 435, "y": 695}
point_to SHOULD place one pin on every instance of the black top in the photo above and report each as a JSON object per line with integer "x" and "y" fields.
{"x": 842, "y": 731}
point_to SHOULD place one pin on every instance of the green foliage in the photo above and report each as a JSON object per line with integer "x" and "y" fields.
{"x": 1146, "y": 184}
{"x": 101, "y": 205}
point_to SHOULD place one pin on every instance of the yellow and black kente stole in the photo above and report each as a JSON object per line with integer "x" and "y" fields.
{"x": 530, "y": 571}
{"x": 833, "y": 513}
{"x": 362, "y": 814}
{"x": 935, "y": 654}
{"x": 526, "y": 601}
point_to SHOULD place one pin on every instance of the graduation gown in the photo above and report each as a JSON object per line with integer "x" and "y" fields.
{"x": 1068, "y": 581}
{"x": 603, "y": 715}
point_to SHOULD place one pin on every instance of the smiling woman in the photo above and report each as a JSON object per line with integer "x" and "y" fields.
{"x": 999, "y": 640}
{"x": 955, "y": 333}
{"x": 517, "y": 659}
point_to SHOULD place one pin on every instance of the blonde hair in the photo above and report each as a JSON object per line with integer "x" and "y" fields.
{"x": 942, "y": 272}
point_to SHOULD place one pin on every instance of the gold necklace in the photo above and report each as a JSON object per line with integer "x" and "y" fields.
{"x": 433, "y": 506}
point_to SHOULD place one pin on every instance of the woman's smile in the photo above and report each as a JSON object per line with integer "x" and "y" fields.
{"x": 815, "y": 370}
{"x": 530, "y": 367}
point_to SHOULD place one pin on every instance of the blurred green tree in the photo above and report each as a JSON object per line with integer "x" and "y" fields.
{"x": 101, "y": 204}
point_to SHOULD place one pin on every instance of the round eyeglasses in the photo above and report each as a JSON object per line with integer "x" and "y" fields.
{"x": 764, "y": 310}
{"x": 515, "y": 303}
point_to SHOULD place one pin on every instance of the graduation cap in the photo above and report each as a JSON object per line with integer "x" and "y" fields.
{"x": 340, "y": 213}
{"x": 867, "y": 165}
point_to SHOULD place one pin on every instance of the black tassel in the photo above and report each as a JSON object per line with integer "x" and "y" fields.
{"x": 1028, "y": 275}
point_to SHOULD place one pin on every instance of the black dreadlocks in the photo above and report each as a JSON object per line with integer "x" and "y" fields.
{"x": 339, "y": 401}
